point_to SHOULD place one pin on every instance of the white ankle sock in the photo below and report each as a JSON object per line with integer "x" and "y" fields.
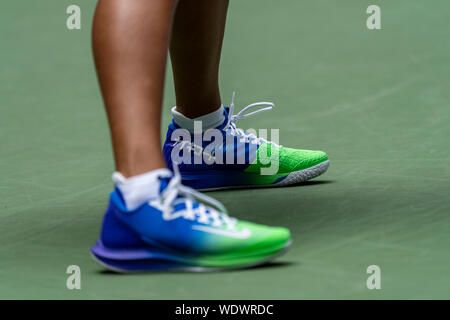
{"x": 209, "y": 121}
{"x": 137, "y": 190}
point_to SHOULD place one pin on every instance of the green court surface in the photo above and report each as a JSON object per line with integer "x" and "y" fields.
{"x": 378, "y": 101}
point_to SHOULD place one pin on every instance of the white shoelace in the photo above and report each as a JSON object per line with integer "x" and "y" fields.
{"x": 212, "y": 217}
{"x": 234, "y": 118}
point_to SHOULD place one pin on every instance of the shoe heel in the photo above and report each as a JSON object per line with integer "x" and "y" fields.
{"x": 115, "y": 234}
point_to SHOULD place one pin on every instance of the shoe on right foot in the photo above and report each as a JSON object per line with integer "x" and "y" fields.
{"x": 241, "y": 159}
{"x": 176, "y": 232}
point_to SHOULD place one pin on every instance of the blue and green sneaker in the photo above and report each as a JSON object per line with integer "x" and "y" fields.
{"x": 229, "y": 157}
{"x": 182, "y": 230}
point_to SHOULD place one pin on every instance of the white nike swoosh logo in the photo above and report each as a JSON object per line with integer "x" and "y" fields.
{"x": 243, "y": 234}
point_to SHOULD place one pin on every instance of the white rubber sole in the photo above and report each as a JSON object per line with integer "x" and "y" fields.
{"x": 292, "y": 178}
{"x": 304, "y": 175}
{"x": 198, "y": 269}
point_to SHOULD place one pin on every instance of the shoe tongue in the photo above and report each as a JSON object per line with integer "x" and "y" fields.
{"x": 225, "y": 121}
{"x": 163, "y": 183}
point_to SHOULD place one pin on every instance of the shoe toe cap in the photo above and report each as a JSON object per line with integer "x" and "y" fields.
{"x": 297, "y": 159}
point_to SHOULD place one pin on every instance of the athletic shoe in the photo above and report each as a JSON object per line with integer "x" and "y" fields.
{"x": 175, "y": 232}
{"x": 239, "y": 158}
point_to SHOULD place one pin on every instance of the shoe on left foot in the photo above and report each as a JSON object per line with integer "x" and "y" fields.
{"x": 247, "y": 160}
{"x": 181, "y": 229}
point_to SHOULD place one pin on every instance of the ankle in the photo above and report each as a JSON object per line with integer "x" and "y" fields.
{"x": 139, "y": 159}
{"x": 198, "y": 105}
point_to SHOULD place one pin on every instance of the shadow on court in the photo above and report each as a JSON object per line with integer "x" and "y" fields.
{"x": 268, "y": 265}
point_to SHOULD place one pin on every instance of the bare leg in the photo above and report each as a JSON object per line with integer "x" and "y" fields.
{"x": 195, "y": 49}
{"x": 130, "y": 41}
